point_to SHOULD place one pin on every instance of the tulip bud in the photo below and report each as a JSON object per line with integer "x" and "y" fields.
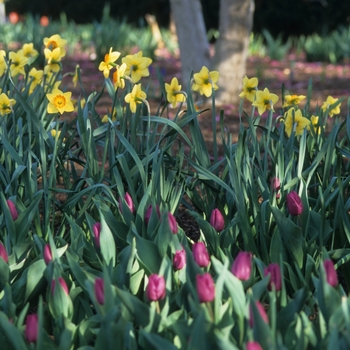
{"x": 13, "y": 210}
{"x": 99, "y": 290}
{"x": 31, "y": 330}
{"x": 262, "y": 313}
{"x": 205, "y": 288}
{"x": 47, "y": 254}
{"x": 129, "y": 203}
{"x": 96, "y": 228}
{"x": 172, "y": 223}
{"x": 217, "y": 220}
{"x": 242, "y": 266}
{"x": 276, "y": 186}
{"x": 253, "y": 345}
{"x": 200, "y": 254}
{"x": 331, "y": 274}
{"x": 179, "y": 259}
{"x": 3, "y": 253}
{"x": 156, "y": 288}
{"x": 149, "y": 213}
{"x": 294, "y": 204}
{"x": 275, "y": 276}
{"x": 62, "y": 283}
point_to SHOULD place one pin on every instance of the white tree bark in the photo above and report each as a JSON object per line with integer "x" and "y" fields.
{"x": 231, "y": 51}
{"x": 192, "y": 36}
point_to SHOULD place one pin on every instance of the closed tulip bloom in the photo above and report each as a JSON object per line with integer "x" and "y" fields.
{"x": 205, "y": 288}
{"x": 217, "y": 220}
{"x": 262, "y": 313}
{"x": 62, "y": 283}
{"x": 242, "y": 266}
{"x": 179, "y": 260}
{"x": 31, "y": 330}
{"x": 13, "y": 210}
{"x": 275, "y": 276}
{"x": 3, "y": 253}
{"x": 47, "y": 254}
{"x": 173, "y": 223}
{"x": 96, "y": 228}
{"x": 331, "y": 273}
{"x": 129, "y": 203}
{"x": 294, "y": 204}
{"x": 148, "y": 213}
{"x": 276, "y": 186}
{"x": 155, "y": 289}
{"x": 253, "y": 345}
{"x": 99, "y": 290}
{"x": 200, "y": 254}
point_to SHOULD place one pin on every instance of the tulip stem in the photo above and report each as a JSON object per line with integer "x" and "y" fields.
{"x": 157, "y": 307}
{"x": 210, "y": 309}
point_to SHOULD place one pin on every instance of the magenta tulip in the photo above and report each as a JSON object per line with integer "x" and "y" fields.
{"x": 294, "y": 204}
{"x": 13, "y": 210}
{"x": 331, "y": 273}
{"x": 217, "y": 220}
{"x": 253, "y": 345}
{"x": 179, "y": 259}
{"x": 47, "y": 254}
{"x": 200, "y": 254}
{"x": 242, "y": 266}
{"x": 62, "y": 283}
{"x": 148, "y": 213}
{"x": 99, "y": 290}
{"x": 96, "y": 229}
{"x": 275, "y": 276}
{"x": 276, "y": 186}
{"x": 155, "y": 289}
{"x": 31, "y": 330}
{"x": 172, "y": 223}
{"x": 129, "y": 202}
{"x": 3, "y": 253}
{"x": 205, "y": 288}
{"x": 262, "y": 313}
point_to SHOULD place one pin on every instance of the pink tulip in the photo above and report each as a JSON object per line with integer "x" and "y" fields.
{"x": 31, "y": 330}
{"x": 276, "y": 186}
{"x": 200, "y": 254}
{"x": 172, "y": 223}
{"x": 179, "y": 259}
{"x": 13, "y": 210}
{"x": 253, "y": 345}
{"x": 148, "y": 213}
{"x": 99, "y": 290}
{"x": 62, "y": 283}
{"x": 3, "y": 253}
{"x": 217, "y": 220}
{"x": 96, "y": 228}
{"x": 331, "y": 273}
{"x": 129, "y": 203}
{"x": 242, "y": 266}
{"x": 205, "y": 288}
{"x": 155, "y": 289}
{"x": 47, "y": 254}
{"x": 275, "y": 276}
{"x": 294, "y": 204}
{"x": 262, "y": 313}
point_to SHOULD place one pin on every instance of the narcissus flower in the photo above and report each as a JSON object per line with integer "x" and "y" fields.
{"x": 294, "y": 204}
{"x": 136, "y": 96}
{"x": 205, "y": 81}
{"x": 294, "y": 120}
{"x": 35, "y": 77}
{"x": 174, "y": 93}
{"x": 18, "y": 61}
{"x": 29, "y": 51}
{"x": 331, "y": 274}
{"x": 59, "y": 102}
{"x": 6, "y": 104}
{"x": 328, "y": 103}
{"x": 118, "y": 77}
{"x": 108, "y": 62}
{"x": 111, "y": 115}
{"x": 75, "y": 76}
{"x": 137, "y": 66}
{"x": 3, "y": 65}
{"x": 155, "y": 289}
{"x": 250, "y": 86}
{"x": 264, "y": 100}
{"x": 205, "y": 288}
{"x": 314, "y": 124}
{"x": 242, "y": 266}
{"x": 292, "y": 100}
{"x": 54, "y": 41}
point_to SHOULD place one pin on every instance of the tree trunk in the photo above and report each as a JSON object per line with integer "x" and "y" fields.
{"x": 235, "y": 25}
{"x": 2, "y": 13}
{"x": 191, "y": 32}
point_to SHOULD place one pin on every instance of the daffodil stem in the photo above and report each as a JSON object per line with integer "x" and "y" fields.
{"x": 213, "y": 115}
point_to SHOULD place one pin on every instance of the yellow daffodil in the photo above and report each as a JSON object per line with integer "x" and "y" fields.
{"x": 29, "y": 51}
{"x": 35, "y": 77}
{"x": 6, "y": 104}
{"x": 314, "y": 124}
{"x": 54, "y": 55}
{"x": 112, "y": 116}
{"x": 135, "y": 96}
{"x": 292, "y": 100}
{"x": 264, "y": 100}
{"x": 118, "y": 77}
{"x": 174, "y": 93}
{"x": 18, "y": 61}
{"x": 205, "y": 81}
{"x": 55, "y": 134}
{"x": 326, "y": 105}
{"x": 250, "y": 86}
{"x": 3, "y": 65}
{"x": 137, "y": 66}
{"x": 108, "y": 62}
{"x": 294, "y": 120}
{"x": 59, "y": 102}
{"x": 54, "y": 41}
{"x": 75, "y": 77}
